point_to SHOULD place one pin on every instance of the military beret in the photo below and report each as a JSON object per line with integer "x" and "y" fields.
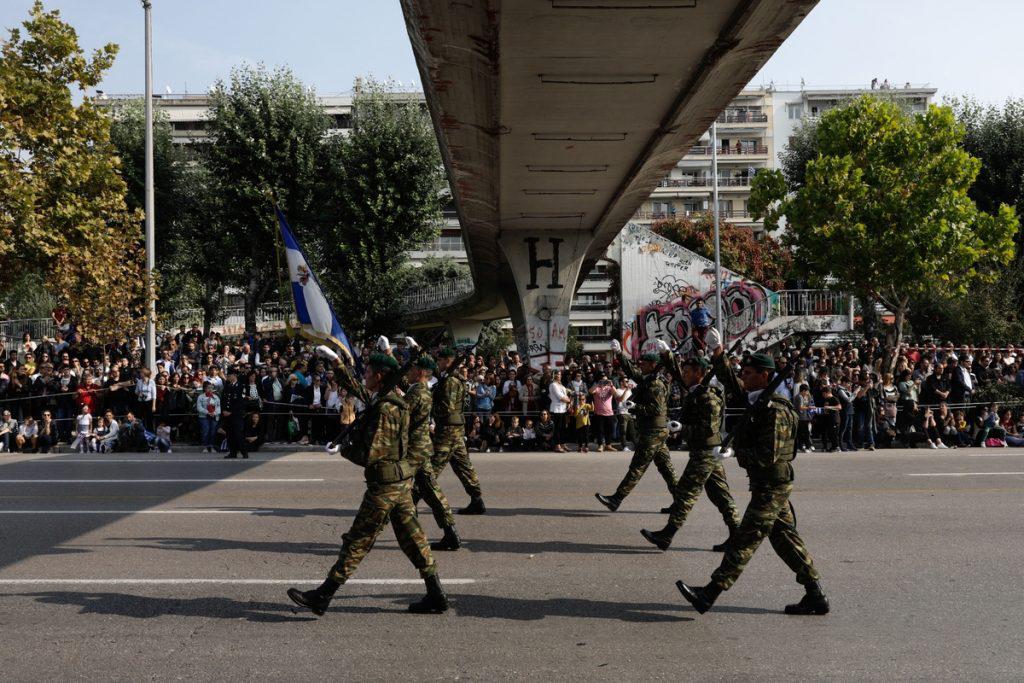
{"x": 760, "y": 361}
{"x": 652, "y": 357}
{"x": 697, "y": 362}
{"x": 381, "y": 362}
{"x": 447, "y": 352}
{"x": 425, "y": 362}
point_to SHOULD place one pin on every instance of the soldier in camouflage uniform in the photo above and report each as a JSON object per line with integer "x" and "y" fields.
{"x": 765, "y": 449}
{"x": 450, "y": 432}
{"x": 701, "y": 417}
{"x": 379, "y": 442}
{"x": 651, "y": 399}
{"x": 421, "y": 449}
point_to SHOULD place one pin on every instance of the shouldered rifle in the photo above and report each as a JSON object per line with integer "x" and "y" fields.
{"x": 746, "y": 419}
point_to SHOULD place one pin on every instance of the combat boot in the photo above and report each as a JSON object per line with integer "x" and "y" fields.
{"x": 435, "y": 602}
{"x": 814, "y": 602}
{"x": 721, "y": 547}
{"x": 611, "y": 502}
{"x": 476, "y": 507}
{"x": 666, "y": 510}
{"x": 701, "y": 598}
{"x": 317, "y": 599}
{"x": 663, "y": 538}
{"x": 450, "y": 540}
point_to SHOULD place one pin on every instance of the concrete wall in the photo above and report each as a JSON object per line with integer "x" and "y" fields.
{"x": 662, "y": 281}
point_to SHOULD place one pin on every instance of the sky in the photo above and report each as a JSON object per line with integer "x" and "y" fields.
{"x": 959, "y": 48}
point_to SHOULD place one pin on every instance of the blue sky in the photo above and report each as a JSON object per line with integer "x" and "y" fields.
{"x": 960, "y": 48}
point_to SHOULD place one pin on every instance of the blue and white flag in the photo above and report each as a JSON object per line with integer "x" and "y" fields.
{"x": 317, "y": 320}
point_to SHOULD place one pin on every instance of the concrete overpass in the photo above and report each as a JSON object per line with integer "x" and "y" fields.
{"x": 556, "y": 118}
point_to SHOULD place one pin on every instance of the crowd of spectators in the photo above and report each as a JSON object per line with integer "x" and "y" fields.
{"x": 64, "y": 390}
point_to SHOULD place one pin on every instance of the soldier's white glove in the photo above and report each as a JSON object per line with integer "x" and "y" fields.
{"x": 616, "y": 346}
{"x": 663, "y": 346}
{"x": 326, "y": 352}
{"x": 383, "y": 344}
{"x": 333, "y": 448}
{"x": 411, "y": 343}
{"x": 721, "y": 454}
{"x": 675, "y": 426}
{"x": 712, "y": 338}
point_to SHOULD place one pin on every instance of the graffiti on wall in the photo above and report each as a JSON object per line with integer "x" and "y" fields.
{"x": 746, "y": 307}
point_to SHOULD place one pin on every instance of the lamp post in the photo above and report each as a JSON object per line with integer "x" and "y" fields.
{"x": 150, "y": 241}
{"x": 719, "y": 304}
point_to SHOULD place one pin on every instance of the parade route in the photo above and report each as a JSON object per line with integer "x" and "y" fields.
{"x": 132, "y": 567}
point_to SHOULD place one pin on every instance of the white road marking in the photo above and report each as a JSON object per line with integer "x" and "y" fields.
{"x": 138, "y": 512}
{"x": 963, "y": 474}
{"x": 157, "y": 481}
{"x": 188, "y": 582}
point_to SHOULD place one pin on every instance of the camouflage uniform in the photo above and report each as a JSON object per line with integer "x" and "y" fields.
{"x": 765, "y": 450}
{"x": 420, "y": 451}
{"x": 450, "y": 433}
{"x": 382, "y": 447}
{"x": 701, "y": 417}
{"x": 651, "y": 412}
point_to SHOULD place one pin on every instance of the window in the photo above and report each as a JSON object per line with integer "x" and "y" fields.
{"x": 795, "y": 111}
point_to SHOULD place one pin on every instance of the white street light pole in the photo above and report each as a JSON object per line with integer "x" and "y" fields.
{"x": 150, "y": 241}
{"x": 719, "y": 303}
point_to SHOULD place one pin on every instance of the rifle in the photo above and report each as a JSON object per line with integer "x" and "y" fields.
{"x": 747, "y": 418}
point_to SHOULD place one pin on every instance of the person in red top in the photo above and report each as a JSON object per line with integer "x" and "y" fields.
{"x": 86, "y": 393}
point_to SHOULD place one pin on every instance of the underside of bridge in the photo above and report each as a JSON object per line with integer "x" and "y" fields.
{"x": 556, "y": 118}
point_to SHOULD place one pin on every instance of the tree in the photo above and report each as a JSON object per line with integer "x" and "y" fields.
{"x": 765, "y": 261}
{"x": 63, "y": 212}
{"x": 495, "y": 339}
{"x": 382, "y": 188}
{"x": 885, "y": 212}
{"x": 434, "y": 271}
{"x": 268, "y": 132}
{"x": 800, "y": 149}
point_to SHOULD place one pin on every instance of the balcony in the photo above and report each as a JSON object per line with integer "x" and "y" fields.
{"x": 742, "y": 117}
{"x": 704, "y": 181}
{"x": 741, "y": 150}
{"x": 725, "y": 214}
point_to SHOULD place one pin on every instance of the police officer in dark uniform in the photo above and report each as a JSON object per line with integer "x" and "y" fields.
{"x": 233, "y": 415}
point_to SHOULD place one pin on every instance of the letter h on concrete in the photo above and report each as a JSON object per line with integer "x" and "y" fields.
{"x": 536, "y": 263}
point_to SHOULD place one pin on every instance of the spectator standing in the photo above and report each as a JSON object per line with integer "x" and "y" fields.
{"x": 559, "y": 410}
{"x": 602, "y": 395}
{"x": 233, "y": 414}
{"x": 145, "y": 398}
{"x": 209, "y": 411}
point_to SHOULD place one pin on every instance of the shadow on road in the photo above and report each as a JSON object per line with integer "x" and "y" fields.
{"x": 148, "y": 607}
{"x": 560, "y": 512}
{"x": 216, "y": 544}
{"x": 494, "y": 607}
{"x": 479, "y": 545}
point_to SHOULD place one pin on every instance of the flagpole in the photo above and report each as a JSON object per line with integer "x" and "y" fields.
{"x": 719, "y": 304}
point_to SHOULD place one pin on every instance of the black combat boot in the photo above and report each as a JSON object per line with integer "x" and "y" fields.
{"x": 814, "y": 602}
{"x": 450, "y": 540}
{"x": 476, "y": 507}
{"x": 317, "y": 599}
{"x": 701, "y": 598}
{"x": 663, "y": 538}
{"x": 720, "y": 547}
{"x": 435, "y": 602}
{"x": 666, "y": 510}
{"x": 611, "y": 502}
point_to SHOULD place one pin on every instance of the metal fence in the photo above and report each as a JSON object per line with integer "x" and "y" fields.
{"x": 801, "y": 302}
{"x": 438, "y": 296}
{"x": 232, "y": 317}
{"x": 13, "y": 330}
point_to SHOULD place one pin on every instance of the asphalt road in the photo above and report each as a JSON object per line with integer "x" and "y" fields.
{"x": 136, "y": 567}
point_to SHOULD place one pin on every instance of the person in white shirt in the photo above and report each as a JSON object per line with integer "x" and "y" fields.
{"x": 83, "y": 430}
{"x": 109, "y": 440}
{"x": 145, "y": 397}
{"x": 559, "y": 408}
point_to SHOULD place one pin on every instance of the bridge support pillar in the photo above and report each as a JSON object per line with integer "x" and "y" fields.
{"x": 545, "y": 266}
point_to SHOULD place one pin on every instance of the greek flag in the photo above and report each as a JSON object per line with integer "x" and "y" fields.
{"x": 315, "y": 315}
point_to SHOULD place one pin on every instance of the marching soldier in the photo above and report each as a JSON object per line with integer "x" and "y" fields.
{"x": 450, "y": 431}
{"x": 701, "y": 418}
{"x": 651, "y": 399}
{"x": 421, "y": 449}
{"x": 233, "y": 414}
{"x": 379, "y": 442}
{"x": 765, "y": 450}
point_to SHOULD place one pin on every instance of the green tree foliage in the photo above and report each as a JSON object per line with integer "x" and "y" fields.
{"x": 800, "y": 149}
{"x": 495, "y": 339}
{"x": 764, "y": 261}
{"x": 63, "y": 212}
{"x": 996, "y": 137}
{"x": 382, "y": 188}
{"x": 885, "y": 212}
{"x": 434, "y": 271}
{"x": 268, "y": 134}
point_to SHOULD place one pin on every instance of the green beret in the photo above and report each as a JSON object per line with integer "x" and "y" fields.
{"x": 425, "y": 362}
{"x": 760, "y": 361}
{"x": 447, "y": 352}
{"x": 697, "y": 362}
{"x": 381, "y": 362}
{"x": 652, "y": 357}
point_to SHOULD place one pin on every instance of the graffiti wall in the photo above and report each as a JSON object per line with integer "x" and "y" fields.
{"x": 662, "y": 282}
